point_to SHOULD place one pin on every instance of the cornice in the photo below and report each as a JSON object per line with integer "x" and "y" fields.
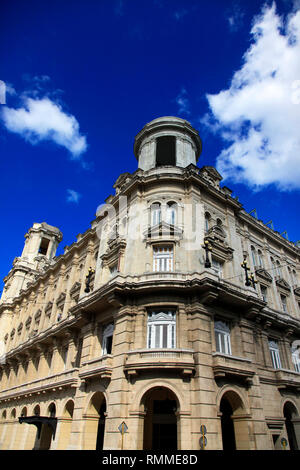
{"x": 56, "y": 264}
{"x": 262, "y": 228}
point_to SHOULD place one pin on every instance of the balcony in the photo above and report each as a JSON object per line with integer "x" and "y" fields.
{"x": 232, "y": 366}
{"x": 140, "y": 361}
{"x": 100, "y": 368}
{"x": 287, "y": 379}
{"x": 67, "y": 378}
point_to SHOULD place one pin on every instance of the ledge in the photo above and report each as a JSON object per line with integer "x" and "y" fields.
{"x": 232, "y": 366}
{"x": 142, "y": 360}
{"x": 287, "y": 379}
{"x": 100, "y": 368}
{"x": 68, "y": 378}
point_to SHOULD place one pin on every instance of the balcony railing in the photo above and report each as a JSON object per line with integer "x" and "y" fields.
{"x": 67, "y": 378}
{"x": 225, "y": 366}
{"x": 141, "y": 360}
{"x": 288, "y": 379}
{"x": 100, "y": 368}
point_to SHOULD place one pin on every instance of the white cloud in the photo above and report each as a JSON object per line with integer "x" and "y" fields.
{"x": 73, "y": 196}
{"x": 183, "y": 102}
{"x": 258, "y": 116}
{"x": 43, "y": 119}
{"x": 235, "y": 20}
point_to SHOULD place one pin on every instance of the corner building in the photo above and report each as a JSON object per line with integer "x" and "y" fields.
{"x": 147, "y": 319}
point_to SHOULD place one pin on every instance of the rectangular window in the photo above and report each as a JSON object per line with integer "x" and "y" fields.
{"x": 166, "y": 150}
{"x": 283, "y": 303}
{"x": 217, "y": 266}
{"x": 161, "y": 330}
{"x": 114, "y": 269}
{"x": 162, "y": 258}
{"x": 222, "y": 337}
{"x": 263, "y": 291}
{"x": 296, "y": 359}
{"x": 275, "y": 356}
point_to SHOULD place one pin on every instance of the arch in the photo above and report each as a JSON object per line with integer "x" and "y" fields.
{"x": 94, "y": 429}
{"x": 235, "y": 421}
{"x": 207, "y": 221}
{"x": 155, "y": 213}
{"x": 137, "y": 402}
{"x": 37, "y": 410}
{"x": 65, "y": 425}
{"x": 291, "y": 416}
{"x": 13, "y": 413}
{"x": 160, "y": 425}
{"x": 172, "y": 209}
{"x": 4, "y": 414}
{"x": 52, "y": 410}
{"x": 24, "y": 411}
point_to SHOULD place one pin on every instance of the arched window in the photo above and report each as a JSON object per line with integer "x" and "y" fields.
{"x": 260, "y": 259}
{"x": 278, "y": 269}
{"x": 219, "y": 223}
{"x": 206, "y": 221}
{"x": 295, "y": 350}
{"x": 253, "y": 254}
{"x": 171, "y": 212}
{"x": 273, "y": 267}
{"x": 222, "y": 336}
{"x": 155, "y": 213}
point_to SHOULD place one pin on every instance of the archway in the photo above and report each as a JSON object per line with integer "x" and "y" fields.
{"x": 65, "y": 426}
{"x": 95, "y": 422}
{"x": 290, "y": 413}
{"x": 160, "y": 422}
{"x": 47, "y": 432}
{"x": 234, "y": 422}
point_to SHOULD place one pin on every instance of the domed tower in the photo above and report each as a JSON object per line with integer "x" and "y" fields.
{"x": 167, "y": 141}
{"x": 40, "y": 246}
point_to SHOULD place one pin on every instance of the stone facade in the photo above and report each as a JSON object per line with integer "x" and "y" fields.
{"x": 137, "y": 322}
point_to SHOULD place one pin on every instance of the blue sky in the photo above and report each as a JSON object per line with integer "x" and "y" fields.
{"x": 82, "y": 77}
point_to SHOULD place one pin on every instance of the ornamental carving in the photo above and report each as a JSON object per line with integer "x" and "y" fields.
{"x": 282, "y": 284}
{"x": 264, "y": 275}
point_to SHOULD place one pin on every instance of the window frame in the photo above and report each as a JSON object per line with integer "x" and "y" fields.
{"x": 275, "y": 354}
{"x": 222, "y": 332}
{"x": 108, "y": 332}
{"x": 163, "y": 259}
{"x": 159, "y": 337}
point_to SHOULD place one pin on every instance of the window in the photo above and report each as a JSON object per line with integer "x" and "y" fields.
{"x": 155, "y": 213}
{"x": 171, "y": 213}
{"x": 278, "y": 269}
{"x": 166, "y": 150}
{"x": 275, "y": 354}
{"x": 264, "y": 293}
{"x": 222, "y": 336}
{"x": 161, "y": 329}
{"x": 217, "y": 266}
{"x": 107, "y": 339}
{"x": 44, "y": 246}
{"x": 206, "y": 221}
{"x": 114, "y": 269}
{"x": 260, "y": 259}
{"x": 283, "y": 303}
{"x": 253, "y": 254}
{"x": 273, "y": 267}
{"x": 162, "y": 258}
{"x": 296, "y": 358}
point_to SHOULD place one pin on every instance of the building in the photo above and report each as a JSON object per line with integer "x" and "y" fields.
{"x": 150, "y": 319}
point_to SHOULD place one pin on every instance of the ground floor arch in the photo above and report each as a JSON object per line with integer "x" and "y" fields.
{"x": 292, "y": 423}
{"x": 235, "y": 422}
{"x": 160, "y": 424}
{"x": 94, "y": 429}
